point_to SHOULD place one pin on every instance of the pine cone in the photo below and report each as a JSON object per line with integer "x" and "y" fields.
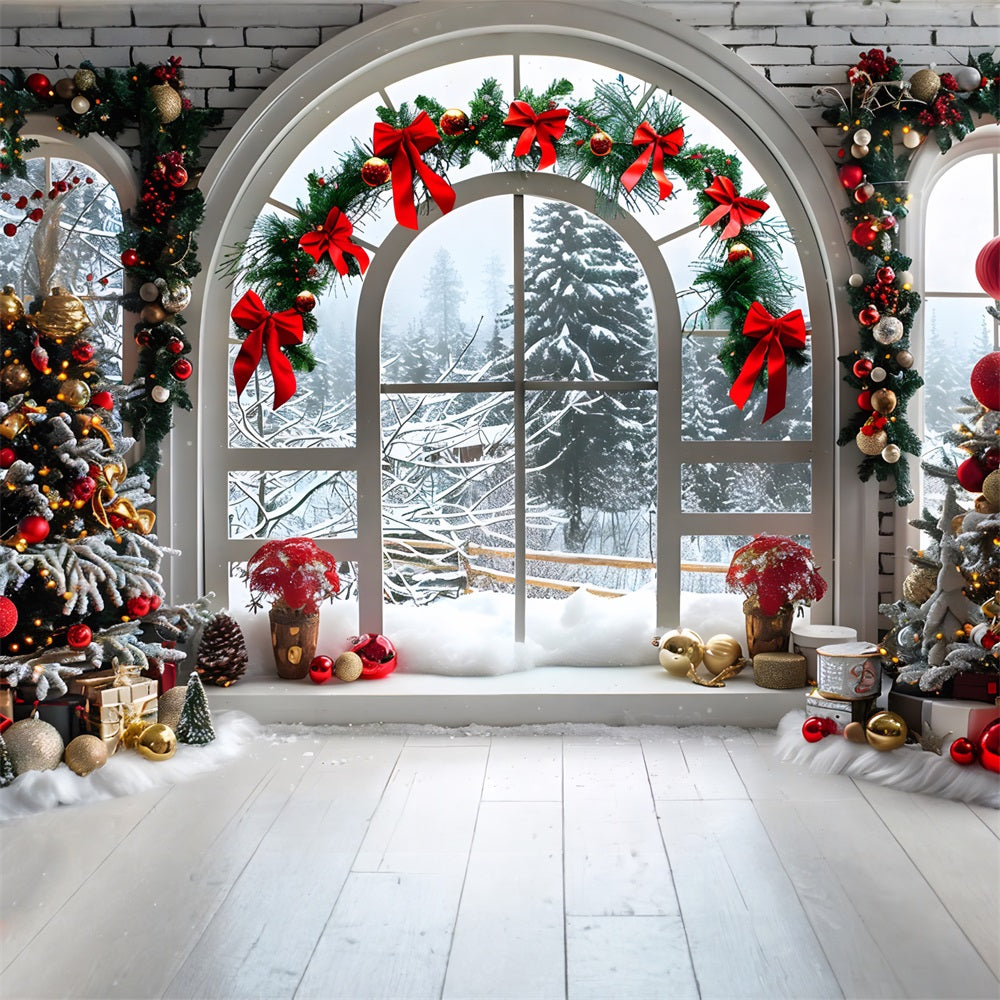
{"x": 222, "y": 652}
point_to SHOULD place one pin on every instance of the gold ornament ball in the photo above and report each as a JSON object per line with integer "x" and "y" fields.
{"x": 33, "y": 746}
{"x": 453, "y": 122}
{"x": 14, "y": 377}
{"x": 683, "y": 642}
{"x": 919, "y": 584}
{"x": 169, "y": 705}
{"x": 153, "y": 313}
{"x": 176, "y": 299}
{"x": 886, "y": 731}
{"x": 80, "y": 105}
{"x": 11, "y": 307}
{"x": 157, "y": 742}
{"x": 348, "y": 666}
{"x": 871, "y": 444}
{"x": 74, "y": 392}
{"x": 84, "y": 79}
{"x": 375, "y": 171}
{"x": 981, "y": 506}
{"x": 85, "y": 754}
{"x": 721, "y": 651}
{"x": 65, "y": 88}
{"x": 855, "y": 732}
{"x": 883, "y": 401}
{"x": 62, "y": 315}
{"x": 924, "y": 85}
{"x": 991, "y": 488}
{"x": 676, "y": 664}
{"x": 168, "y": 102}
{"x": 904, "y": 359}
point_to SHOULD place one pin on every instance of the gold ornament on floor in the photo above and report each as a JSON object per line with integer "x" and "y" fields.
{"x": 871, "y": 444}
{"x": 15, "y": 377}
{"x": 86, "y": 753}
{"x": 33, "y": 745}
{"x": 680, "y": 650}
{"x": 722, "y": 651}
{"x": 453, "y": 122}
{"x": 924, "y": 85}
{"x": 167, "y": 101}
{"x": 348, "y": 666}
{"x": 886, "y": 731}
{"x": 854, "y": 732}
{"x": 157, "y": 742}
{"x": 919, "y": 584}
{"x": 169, "y": 705}
{"x": 62, "y": 315}
{"x": 11, "y": 307}
{"x": 375, "y": 171}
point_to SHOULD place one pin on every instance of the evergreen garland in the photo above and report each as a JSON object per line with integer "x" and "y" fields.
{"x": 162, "y": 227}
{"x": 732, "y": 272}
{"x": 887, "y": 108}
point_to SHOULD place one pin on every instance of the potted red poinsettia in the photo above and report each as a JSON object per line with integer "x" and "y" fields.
{"x": 776, "y": 575}
{"x": 299, "y": 576}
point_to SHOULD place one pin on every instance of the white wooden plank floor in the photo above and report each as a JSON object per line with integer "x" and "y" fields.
{"x": 598, "y": 865}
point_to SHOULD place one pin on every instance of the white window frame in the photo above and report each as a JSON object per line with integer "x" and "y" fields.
{"x": 644, "y": 44}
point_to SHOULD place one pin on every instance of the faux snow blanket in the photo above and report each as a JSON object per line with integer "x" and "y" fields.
{"x": 910, "y": 769}
{"x": 127, "y": 773}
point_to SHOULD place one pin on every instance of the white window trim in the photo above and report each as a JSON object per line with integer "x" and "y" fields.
{"x": 783, "y": 148}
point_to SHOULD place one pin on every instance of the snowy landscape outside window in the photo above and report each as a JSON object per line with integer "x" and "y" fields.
{"x": 529, "y": 452}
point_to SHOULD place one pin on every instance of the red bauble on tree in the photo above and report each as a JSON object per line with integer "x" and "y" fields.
{"x": 378, "y": 655}
{"x": 970, "y": 475}
{"x": 851, "y": 175}
{"x": 138, "y": 607}
{"x": 862, "y": 367}
{"x": 33, "y": 528}
{"x": 79, "y": 636}
{"x": 865, "y": 233}
{"x": 182, "y": 369}
{"x": 103, "y": 400}
{"x": 40, "y": 85}
{"x": 83, "y": 352}
{"x": 869, "y": 316}
{"x": 8, "y": 616}
{"x": 600, "y": 143}
{"x": 375, "y": 171}
{"x": 130, "y": 257}
{"x": 985, "y": 381}
{"x": 7, "y": 457}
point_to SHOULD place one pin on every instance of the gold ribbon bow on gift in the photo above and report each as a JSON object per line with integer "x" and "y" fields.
{"x": 105, "y": 502}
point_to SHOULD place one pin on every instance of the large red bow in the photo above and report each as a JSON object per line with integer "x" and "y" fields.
{"x": 334, "y": 238}
{"x": 657, "y": 146}
{"x": 405, "y": 146}
{"x": 773, "y": 335}
{"x": 741, "y": 211}
{"x": 547, "y": 127}
{"x": 266, "y": 330}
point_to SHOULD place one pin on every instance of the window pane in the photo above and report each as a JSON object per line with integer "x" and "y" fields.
{"x": 447, "y": 311}
{"x": 447, "y": 494}
{"x": 587, "y": 302}
{"x": 746, "y": 487}
{"x": 314, "y": 503}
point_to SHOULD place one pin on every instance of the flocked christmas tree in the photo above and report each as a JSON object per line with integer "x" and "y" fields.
{"x": 195, "y": 724}
{"x": 6, "y": 765}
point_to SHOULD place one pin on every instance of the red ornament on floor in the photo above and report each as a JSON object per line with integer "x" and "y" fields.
{"x": 963, "y": 752}
{"x": 378, "y": 655}
{"x": 989, "y": 747}
{"x": 814, "y": 729}
{"x": 8, "y": 616}
{"x": 320, "y": 669}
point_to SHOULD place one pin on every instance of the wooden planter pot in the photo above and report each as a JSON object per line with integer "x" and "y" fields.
{"x": 768, "y": 633}
{"x": 293, "y": 639}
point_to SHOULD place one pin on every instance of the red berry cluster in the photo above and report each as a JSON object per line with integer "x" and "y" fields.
{"x": 160, "y": 186}
{"x": 35, "y": 214}
{"x": 168, "y": 72}
{"x": 886, "y": 297}
{"x": 941, "y": 111}
{"x": 876, "y": 64}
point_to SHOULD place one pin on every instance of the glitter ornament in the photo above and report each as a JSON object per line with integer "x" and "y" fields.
{"x": 375, "y": 171}
{"x": 888, "y": 330}
{"x": 169, "y": 706}
{"x": 8, "y": 616}
{"x": 348, "y": 667}
{"x": 85, "y": 754}
{"x": 985, "y": 381}
{"x": 871, "y": 444}
{"x": 84, "y": 79}
{"x": 453, "y": 122}
{"x": 33, "y": 745}
{"x": 924, "y": 85}
{"x": 167, "y": 101}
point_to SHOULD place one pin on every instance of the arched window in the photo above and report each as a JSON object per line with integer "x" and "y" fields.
{"x": 474, "y": 426}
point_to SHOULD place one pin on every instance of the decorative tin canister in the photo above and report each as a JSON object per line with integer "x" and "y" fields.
{"x": 849, "y": 671}
{"x": 806, "y": 639}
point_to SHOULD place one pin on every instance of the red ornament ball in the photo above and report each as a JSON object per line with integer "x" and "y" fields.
{"x": 991, "y": 459}
{"x": 869, "y": 316}
{"x": 33, "y": 528}
{"x": 40, "y": 85}
{"x": 988, "y": 269}
{"x": 103, "y": 400}
{"x": 971, "y": 475}
{"x": 79, "y": 636}
{"x": 378, "y": 655}
{"x": 814, "y": 729}
{"x": 7, "y": 457}
{"x": 8, "y": 616}
{"x": 321, "y": 669}
{"x": 963, "y": 751}
{"x": 864, "y": 234}
{"x": 453, "y": 122}
{"x": 885, "y": 275}
{"x": 182, "y": 369}
{"x": 138, "y": 606}
{"x": 600, "y": 143}
{"x": 175, "y": 345}
{"x": 154, "y": 602}
{"x": 10, "y": 229}
{"x": 985, "y": 381}
{"x": 865, "y": 400}
{"x": 851, "y": 175}
{"x": 83, "y": 489}
{"x": 989, "y": 747}
{"x": 130, "y": 258}
{"x": 375, "y": 171}
{"x": 862, "y": 367}
{"x": 83, "y": 352}
{"x": 737, "y": 252}
{"x": 177, "y": 177}
{"x": 305, "y": 302}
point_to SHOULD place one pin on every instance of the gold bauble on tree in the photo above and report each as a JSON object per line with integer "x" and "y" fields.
{"x": 991, "y": 489}
{"x": 85, "y": 79}
{"x": 919, "y": 584}
{"x": 86, "y": 753}
{"x": 886, "y": 731}
{"x": 14, "y": 377}
{"x": 453, "y": 122}
{"x": 168, "y": 102}
{"x": 721, "y": 651}
{"x": 62, "y": 315}
{"x": 375, "y": 171}
{"x": 871, "y": 444}
{"x": 33, "y": 745}
{"x": 157, "y": 742}
{"x": 924, "y": 85}
{"x": 153, "y": 313}
{"x": 74, "y": 392}
{"x": 11, "y": 307}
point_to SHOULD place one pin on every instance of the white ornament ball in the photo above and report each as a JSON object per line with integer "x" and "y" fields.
{"x": 160, "y": 394}
{"x": 859, "y": 152}
{"x": 856, "y": 280}
{"x": 912, "y": 139}
{"x": 891, "y": 453}
{"x": 906, "y": 279}
{"x": 80, "y": 105}
{"x": 862, "y": 137}
{"x": 148, "y": 292}
{"x": 878, "y": 374}
{"x": 968, "y": 78}
{"x": 888, "y": 330}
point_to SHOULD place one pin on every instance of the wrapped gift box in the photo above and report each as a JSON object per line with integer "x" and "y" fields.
{"x": 944, "y": 716}
{"x": 111, "y": 707}
{"x": 841, "y": 711}
{"x": 976, "y": 687}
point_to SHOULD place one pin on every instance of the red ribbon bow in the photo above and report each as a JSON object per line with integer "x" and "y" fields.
{"x": 547, "y": 128}
{"x": 657, "y": 146}
{"x": 334, "y": 238}
{"x": 405, "y": 146}
{"x": 270, "y": 331}
{"x": 741, "y": 211}
{"x": 773, "y": 334}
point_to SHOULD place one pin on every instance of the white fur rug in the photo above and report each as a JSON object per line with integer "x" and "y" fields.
{"x": 910, "y": 769}
{"x": 126, "y": 773}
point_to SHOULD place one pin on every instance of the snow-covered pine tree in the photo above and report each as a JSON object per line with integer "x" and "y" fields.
{"x": 195, "y": 725}
{"x": 6, "y": 764}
